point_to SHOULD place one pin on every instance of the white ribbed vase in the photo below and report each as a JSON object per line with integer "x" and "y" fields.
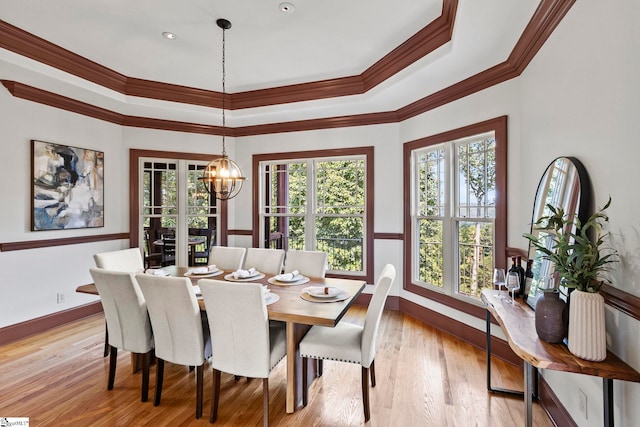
{"x": 587, "y": 337}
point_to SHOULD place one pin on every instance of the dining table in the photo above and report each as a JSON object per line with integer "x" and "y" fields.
{"x": 297, "y": 308}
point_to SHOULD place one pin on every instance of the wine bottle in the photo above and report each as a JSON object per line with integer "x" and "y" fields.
{"x": 528, "y": 278}
{"x": 513, "y": 270}
{"x": 522, "y": 278}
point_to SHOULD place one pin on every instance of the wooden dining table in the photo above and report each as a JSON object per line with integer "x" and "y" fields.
{"x": 298, "y": 313}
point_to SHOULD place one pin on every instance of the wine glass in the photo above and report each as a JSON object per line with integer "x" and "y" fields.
{"x": 513, "y": 283}
{"x": 498, "y": 279}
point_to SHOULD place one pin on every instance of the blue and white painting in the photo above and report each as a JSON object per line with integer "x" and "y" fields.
{"x": 68, "y": 187}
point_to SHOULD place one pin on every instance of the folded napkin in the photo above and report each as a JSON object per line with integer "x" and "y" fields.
{"x": 287, "y": 277}
{"x": 323, "y": 291}
{"x": 244, "y": 274}
{"x": 265, "y": 291}
{"x": 157, "y": 272}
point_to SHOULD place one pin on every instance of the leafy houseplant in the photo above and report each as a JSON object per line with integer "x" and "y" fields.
{"x": 580, "y": 253}
{"x": 578, "y": 250}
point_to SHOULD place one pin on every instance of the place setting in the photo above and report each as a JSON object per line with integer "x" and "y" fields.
{"x": 244, "y": 275}
{"x": 269, "y": 297}
{"x": 288, "y": 279}
{"x": 324, "y": 294}
{"x": 200, "y": 272}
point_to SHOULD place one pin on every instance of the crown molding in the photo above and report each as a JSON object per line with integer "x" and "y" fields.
{"x": 419, "y": 45}
{"x": 542, "y": 24}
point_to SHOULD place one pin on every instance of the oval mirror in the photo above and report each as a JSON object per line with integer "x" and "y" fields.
{"x": 564, "y": 184}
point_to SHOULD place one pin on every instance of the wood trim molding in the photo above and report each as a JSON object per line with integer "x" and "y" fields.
{"x": 388, "y": 236}
{"x": 553, "y": 406}
{"x": 620, "y": 300}
{"x": 546, "y": 18}
{"x": 35, "y": 244}
{"x": 425, "y": 41}
{"x": 34, "y": 326}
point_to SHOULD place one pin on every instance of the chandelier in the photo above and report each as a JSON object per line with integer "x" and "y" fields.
{"x": 222, "y": 177}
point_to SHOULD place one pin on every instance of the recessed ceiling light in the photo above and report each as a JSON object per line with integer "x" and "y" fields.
{"x": 168, "y": 35}
{"x": 286, "y": 7}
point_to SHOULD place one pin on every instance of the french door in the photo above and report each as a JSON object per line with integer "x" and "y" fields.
{"x": 177, "y": 217}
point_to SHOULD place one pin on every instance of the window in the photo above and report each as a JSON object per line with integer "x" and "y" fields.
{"x": 318, "y": 201}
{"x": 454, "y": 223}
{"x": 173, "y": 206}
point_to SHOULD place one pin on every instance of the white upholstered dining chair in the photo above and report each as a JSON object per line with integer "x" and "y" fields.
{"x": 123, "y": 260}
{"x": 177, "y": 327}
{"x": 268, "y": 261}
{"x": 245, "y": 344}
{"x": 348, "y": 342}
{"x": 307, "y": 263}
{"x": 129, "y": 260}
{"x": 227, "y": 258}
{"x": 127, "y": 319}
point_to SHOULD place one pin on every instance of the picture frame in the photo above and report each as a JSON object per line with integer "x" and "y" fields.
{"x": 67, "y": 190}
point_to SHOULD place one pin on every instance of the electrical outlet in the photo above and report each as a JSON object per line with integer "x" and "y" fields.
{"x": 61, "y": 298}
{"x": 582, "y": 403}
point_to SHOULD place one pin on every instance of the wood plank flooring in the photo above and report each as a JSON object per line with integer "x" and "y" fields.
{"x": 424, "y": 378}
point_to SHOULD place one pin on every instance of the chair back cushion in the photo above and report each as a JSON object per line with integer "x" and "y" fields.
{"x": 374, "y": 314}
{"x": 268, "y": 261}
{"x": 239, "y": 327}
{"x": 175, "y": 318}
{"x": 124, "y": 260}
{"x": 308, "y": 263}
{"x": 125, "y": 310}
{"x": 227, "y": 258}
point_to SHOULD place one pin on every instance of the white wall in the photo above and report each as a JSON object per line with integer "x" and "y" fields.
{"x": 578, "y": 97}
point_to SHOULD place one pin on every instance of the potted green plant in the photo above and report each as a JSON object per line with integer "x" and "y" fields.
{"x": 580, "y": 253}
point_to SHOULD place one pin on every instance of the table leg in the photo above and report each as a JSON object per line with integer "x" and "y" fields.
{"x": 489, "y": 386}
{"x": 291, "y": 368}
{"x": 528, "y": 393}
{"x": 607, "y": 398}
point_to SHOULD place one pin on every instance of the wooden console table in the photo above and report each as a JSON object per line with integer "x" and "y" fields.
{"x": 518, "y": 323}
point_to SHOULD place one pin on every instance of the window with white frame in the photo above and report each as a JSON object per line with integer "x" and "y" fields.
{"x": 456, "y": 212}
{"x": 317, "y": 203}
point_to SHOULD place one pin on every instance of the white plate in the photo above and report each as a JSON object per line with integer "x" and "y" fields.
{"x": 256, "y": 276}
{"x": 318, "y": 291}
{"x": 156, "y": 272}
{"x": 279, "y": 278}
{"x": 271, "y": 298}
{"x": 209, "y": 274}
{"x": 273, "y": 281}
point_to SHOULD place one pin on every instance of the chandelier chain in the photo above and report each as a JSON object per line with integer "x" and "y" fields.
{"x": 224, "y": 91}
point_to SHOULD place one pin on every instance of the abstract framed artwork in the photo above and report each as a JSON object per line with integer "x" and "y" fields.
{"x": 68, "y": 187}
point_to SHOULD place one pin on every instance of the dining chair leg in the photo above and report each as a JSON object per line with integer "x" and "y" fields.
{"x": 305, "y": 390}
{"x": 365, "y": 393}
{"x": 265, "y": 402}
{"x": 146, "y": 362}
{"x": 113, "y": 359}
{"x": 215, "y": 399}
{"x": 319, "y": 368}
{"x": 372, "y": 369}
{"x": 199, "y": 386}
{"x": 159, "y": 378}
{"x": 106, "y": 340}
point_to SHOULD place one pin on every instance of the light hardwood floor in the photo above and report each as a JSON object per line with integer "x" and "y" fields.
{"x": 424, "y": 378}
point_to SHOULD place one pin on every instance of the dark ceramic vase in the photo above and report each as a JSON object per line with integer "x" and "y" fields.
{"x": 551, "y": 317}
